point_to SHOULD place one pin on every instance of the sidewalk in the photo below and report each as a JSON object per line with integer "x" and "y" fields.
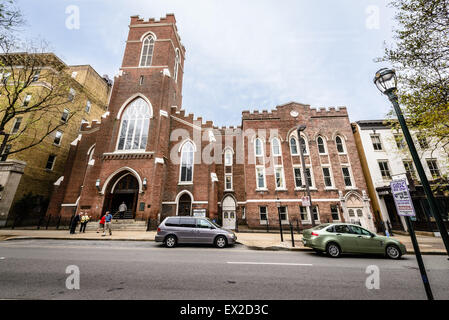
{"x": 255, "y": 241}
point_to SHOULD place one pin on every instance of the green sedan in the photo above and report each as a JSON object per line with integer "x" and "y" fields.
{"x": 338, "y": 238}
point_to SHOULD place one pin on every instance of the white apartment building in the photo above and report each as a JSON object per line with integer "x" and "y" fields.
{"x": 385, "y": 156}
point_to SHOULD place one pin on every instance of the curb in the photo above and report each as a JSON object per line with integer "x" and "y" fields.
{"x": 55, "y": 238}
{"x": 275, "y": 248}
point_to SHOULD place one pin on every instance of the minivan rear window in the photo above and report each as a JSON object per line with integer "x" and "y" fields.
{"x": 172, "y": 222}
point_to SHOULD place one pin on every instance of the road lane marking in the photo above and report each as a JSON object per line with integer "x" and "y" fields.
{"x": 273, "y": 263}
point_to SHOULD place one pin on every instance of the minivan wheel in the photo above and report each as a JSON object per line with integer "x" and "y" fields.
{"x": 393, "y": 252}
{"x": 220, "y": 242}
{"x": 333, "y": 250}
{"x": 170, "y": 241}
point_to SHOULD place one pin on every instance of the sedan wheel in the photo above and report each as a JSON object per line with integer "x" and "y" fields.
{"x": 333, "y": 250}
{"x": 393, "y": 252}
{"x": 170, "y": 241}
{"x": 220, "y": 242}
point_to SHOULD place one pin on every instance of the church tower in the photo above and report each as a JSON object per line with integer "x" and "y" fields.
{"x": 130, "y": 153}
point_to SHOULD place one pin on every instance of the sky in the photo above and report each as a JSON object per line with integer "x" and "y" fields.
{"x": 241, "y": 55}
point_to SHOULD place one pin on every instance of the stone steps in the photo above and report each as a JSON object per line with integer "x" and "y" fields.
{"x": 122, "y": 225}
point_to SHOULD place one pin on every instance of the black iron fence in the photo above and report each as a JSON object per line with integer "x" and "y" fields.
{"x": 38, "y": 223}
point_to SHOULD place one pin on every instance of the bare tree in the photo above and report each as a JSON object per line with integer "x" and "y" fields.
{"x": 10, "y": 16}
{"x": 36, "y": 88}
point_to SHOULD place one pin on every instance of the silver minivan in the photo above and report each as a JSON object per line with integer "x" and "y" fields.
{"x": 174, "y": 230}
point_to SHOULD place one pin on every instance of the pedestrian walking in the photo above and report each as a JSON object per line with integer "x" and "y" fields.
{"x": 122, "y": 209}
{"x": 101, "y": 224}
{"x": 107, "y": 223}
{"x": 84, "y": 220}
{"x": 75, "y": 221}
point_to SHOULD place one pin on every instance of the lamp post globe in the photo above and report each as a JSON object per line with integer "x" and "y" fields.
{"x": 386, "y": 80}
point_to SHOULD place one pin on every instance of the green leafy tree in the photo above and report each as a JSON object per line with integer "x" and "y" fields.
{"x": 420, "y": 54}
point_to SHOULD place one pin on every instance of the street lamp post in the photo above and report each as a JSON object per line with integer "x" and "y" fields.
{"x": 301, "y": 152}
{"x": 278, "y": 204}
{"x": 386, "y": 82}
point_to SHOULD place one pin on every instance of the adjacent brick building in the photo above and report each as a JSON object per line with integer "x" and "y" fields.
{"x": 45, "y": 162}
{"x": 147, "y": 152}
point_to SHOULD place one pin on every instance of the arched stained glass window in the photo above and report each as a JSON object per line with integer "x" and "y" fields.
{"x": 258, "y": 147}
{"x": 293, "y": 146}
{"x": 339, "y": 143}
{"x": 147, "y": 51}
{"x": 276, "y": 147}
{"x": 321, "y": 147}
{"x": 304, "y": 145}
{"x": 134, "y": 126}
{"x": 187, "y": 154}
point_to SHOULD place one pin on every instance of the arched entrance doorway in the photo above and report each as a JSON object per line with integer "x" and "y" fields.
{"x": 185, "y": 205}
{"x": 356, "y": 211}
{"x": 122, "y": 188}
{"x": 229, "y": 213}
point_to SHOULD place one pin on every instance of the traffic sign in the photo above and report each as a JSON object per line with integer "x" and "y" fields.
{"x": 402, "y": 199}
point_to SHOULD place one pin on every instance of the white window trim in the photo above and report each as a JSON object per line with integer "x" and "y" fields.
{"x": 331, "y": 176}
{"x": 228, "y": 151}
{"x": 307, "y": 153}
{"x": 122, "y": 113}
{"x": 324, "y": 145}
{"x": 353, "y": 186}
{"x": 309, "y": 215}
{"x": 150, "y": 35}
{"x": 297, "y": 145}
{"x": 180, "y": 163}
{"x": 380, "y": 141}
{"x": 339, "y": 214}
{"x": 283, "y": 186}
{"x": 266, "y": 213}
{"x": 261, "y": 148}
{"x": 272, "y": 148}
{"x": 52, "y": 165}
{"x": 232, "y": 182}
{"x": 68, "y": 114}
{"x": 60, "y": 139}
{"x": 308, "y": 221}
{"x": 264, "y": 178}
{"x": 294, "y": 176}
{"x": 343, "y": 143}
{"x": 284, "y": 221}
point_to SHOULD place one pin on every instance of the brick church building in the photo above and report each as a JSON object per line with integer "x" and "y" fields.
{"x": 146, "y": 152}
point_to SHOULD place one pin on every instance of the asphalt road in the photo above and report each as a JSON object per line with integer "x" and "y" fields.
{"x": 36, "y": 269}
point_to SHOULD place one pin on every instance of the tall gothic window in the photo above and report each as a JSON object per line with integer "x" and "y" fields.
{"x": 293, "y": 146}
{"x": 147, "y": 51}
{"x": 187, "y": 152}
{"x": 258, "y": 147}
{"x": 276, "y": 147}
{"x": 340, "y": 145}
{"x": 304, "y": 145}
{"x": 321, "y": 147}
{"x": 134, "y": 126}
{"x": 177, "y": 61}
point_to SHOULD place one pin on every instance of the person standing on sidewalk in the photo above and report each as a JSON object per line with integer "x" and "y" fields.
{"x": 122, "y": 209}
{"x": 101, "y": 224}
{"x": 74, "y": 223}
{"x": 107, "y": 224}
{"x": 84, "y": 220}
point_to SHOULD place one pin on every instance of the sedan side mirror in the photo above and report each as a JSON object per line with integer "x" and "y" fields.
{"x": 372, "y": 235}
